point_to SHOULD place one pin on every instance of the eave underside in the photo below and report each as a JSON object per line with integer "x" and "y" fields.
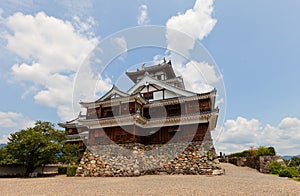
{"x": 138, "y": 120}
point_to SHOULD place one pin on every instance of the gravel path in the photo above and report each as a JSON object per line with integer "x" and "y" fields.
{"x": 237, "y": 181}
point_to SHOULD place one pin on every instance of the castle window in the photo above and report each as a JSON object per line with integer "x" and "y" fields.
{"x": 173, "y": 110}
{"x": 148, "y": 95}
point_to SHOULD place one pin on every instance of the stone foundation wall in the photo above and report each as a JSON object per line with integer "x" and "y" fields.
{"x": 137, "y": 159}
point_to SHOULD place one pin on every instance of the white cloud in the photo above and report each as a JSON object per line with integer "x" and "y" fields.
{"x": 52, "y": 42}
{"x": 11, "y": 122}
{"x": 198, "y": 76}
{"x": 52, "y": 51}
{"x": 12, "y": 119}
{"x": 241, "y": 134}
{"x": 120, "y": 47}
{"x": 30, "y": 90}
{"x": 143, "y": 15}
{"x": 89, "y": 82}
{"x": 4, "y": 139}
{"x": 219, "y": 101}
{"x": 182, "y": 32}
{"x": 121, "y": 43}
{"x": 196, "y": 22}
{"x": 76, "y": 7}
{"x": 85, "y": 27}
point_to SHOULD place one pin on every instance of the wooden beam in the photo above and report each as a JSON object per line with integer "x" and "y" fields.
{"x": 134, "y": 131}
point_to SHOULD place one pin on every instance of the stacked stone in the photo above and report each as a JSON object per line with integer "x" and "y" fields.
{"x": 136, "y": 159}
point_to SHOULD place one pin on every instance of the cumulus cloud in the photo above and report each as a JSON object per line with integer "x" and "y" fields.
{"x": 182, "y": 32}
{"x": 199, "y": 75}
{"x": 89, "y": 82}
{"x": 196, "y": 22}
{"x": 241, "y": 133}
{"x": 48, "y": 40}
{"x": 52, "y": 51}
{"x": 143, "y": 15}
{"x": 4, "y": 139}
{"x": 85, "y": 27}
{"x": 12, "y": 121}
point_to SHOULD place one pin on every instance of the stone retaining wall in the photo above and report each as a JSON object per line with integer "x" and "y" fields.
{"x": 137, "y": 159}
{"x": 260, "y": 163}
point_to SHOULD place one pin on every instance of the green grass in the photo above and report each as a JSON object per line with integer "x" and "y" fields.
{"x": 296, "y": 179}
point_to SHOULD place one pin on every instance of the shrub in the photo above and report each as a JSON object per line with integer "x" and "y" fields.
{"x": 275, "y": 167}
{"x": 285, "y": 173}
{"x": 295, "y": 161}
{"x": 265, "y": 151}
{"x": 272, "y": 151}
{"x": 71, "y": 170}
{"x": 261, "y": 151}
{"x": 62, "y": 169}
{"x": 288, "y": 172}
{"x": 245, "y": 153}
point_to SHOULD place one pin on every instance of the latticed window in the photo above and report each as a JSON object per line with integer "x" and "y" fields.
{"x": 148, "y": 95}
{"x": 173, "y": 110}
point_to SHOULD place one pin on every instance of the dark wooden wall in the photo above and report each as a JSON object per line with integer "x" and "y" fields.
{"x": 185, "y": 133}
{"x": 150, "y": 112}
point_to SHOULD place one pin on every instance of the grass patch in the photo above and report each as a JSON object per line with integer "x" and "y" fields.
{"x": 296, "y": 179}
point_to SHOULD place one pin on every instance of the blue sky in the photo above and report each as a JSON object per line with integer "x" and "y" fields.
{"x": 254, "y": 43}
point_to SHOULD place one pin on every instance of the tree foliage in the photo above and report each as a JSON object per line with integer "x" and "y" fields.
{"x": 275, "y": 167}
{"x": 33, "y": 147}
{"x": 294, "y": 162}
{"x": 265, "y": 151}
{"x": 260, "y": 151}
{"x": 70, "y": 154}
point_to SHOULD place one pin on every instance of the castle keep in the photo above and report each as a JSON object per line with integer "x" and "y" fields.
{"x": 157, "y": 111}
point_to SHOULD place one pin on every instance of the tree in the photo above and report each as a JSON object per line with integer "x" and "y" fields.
{"x": 34, "y": 147}
{"x": 70, "y": 154}
{"x": 295, "y": 161}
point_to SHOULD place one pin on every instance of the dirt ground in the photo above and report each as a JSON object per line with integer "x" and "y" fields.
{"x": 236, "y": 181}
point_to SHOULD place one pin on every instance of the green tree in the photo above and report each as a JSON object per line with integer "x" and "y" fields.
{"x": 33, "y": 147}
{"x": 265, "y": 151}
{"x": 295, "y": 161}
{"x": 70, "y": 154}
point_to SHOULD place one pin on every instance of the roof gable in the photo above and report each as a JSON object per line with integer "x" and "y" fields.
{"x": 155, "y": 83}
{"x": 112, "y": 94}
{"x": 163, "y": 67}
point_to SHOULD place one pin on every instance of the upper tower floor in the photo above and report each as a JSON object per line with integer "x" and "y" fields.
{"x": 162, "y": 71}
